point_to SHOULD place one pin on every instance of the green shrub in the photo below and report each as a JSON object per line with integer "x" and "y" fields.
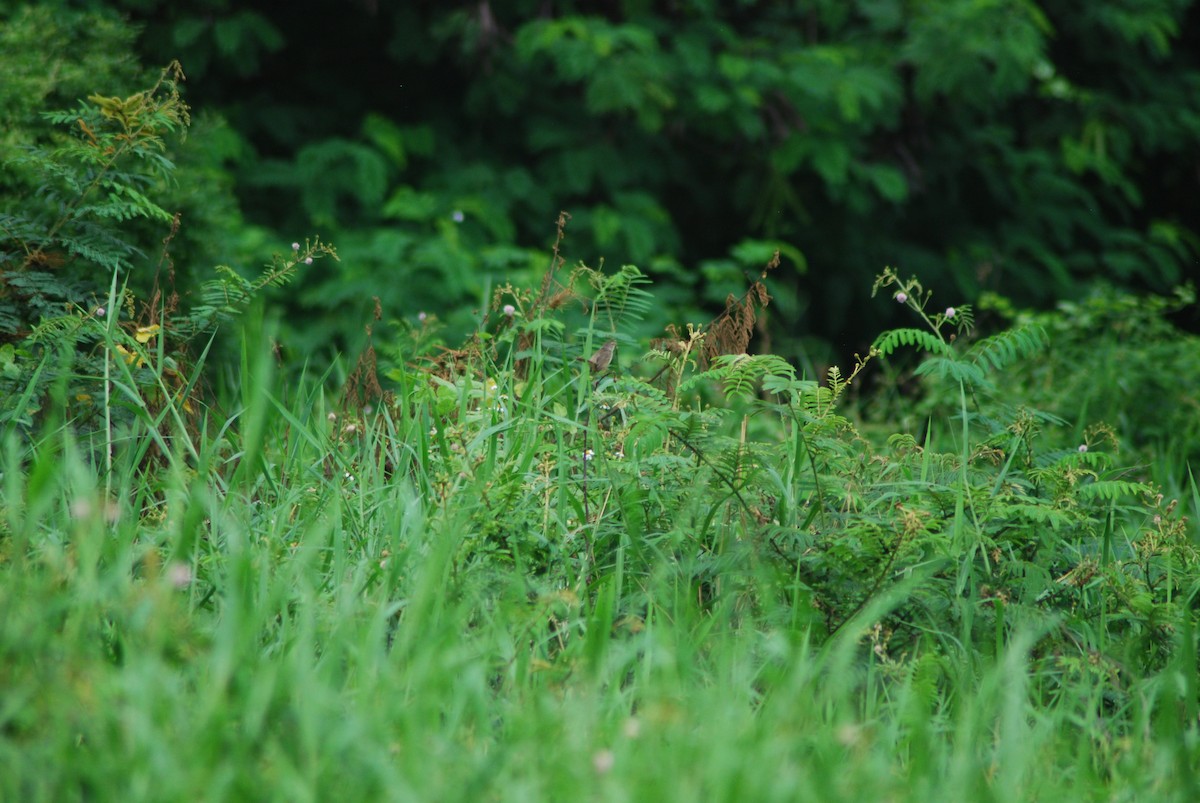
{"x": 75, "y": 342}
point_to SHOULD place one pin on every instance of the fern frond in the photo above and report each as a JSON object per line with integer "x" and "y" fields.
{"x": 10, "y": 321}
{"x": 715, "y": 374}
{"x": 690, "y": 427}
{"x": 122, "y": 203}
{"x": 223, "y": 295}
{"x": 621, "y": 295}
{"x": 741, "y": 377}
{"x": 99, "y": 245}
{"x": 230, "y": 293}
{"x": 893, "y": 339}
{"x": 1112, "y": 490}
{"x": 954, "y": 370}
{"x": 816, "y": 401}
{"x": 737, "y": 463}
{"x": 781, "y": 385}
{"x": 1001, "y": 350}
{"x": 1055, "y": 517}
{"x": 1072, "y": 458}
{"x": 40, "y": 283}
{"x": 60, "y": 330}
{"x": 740, "y": 374}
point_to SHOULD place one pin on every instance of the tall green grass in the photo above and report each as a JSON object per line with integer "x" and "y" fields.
{"x": 302, "y": 603}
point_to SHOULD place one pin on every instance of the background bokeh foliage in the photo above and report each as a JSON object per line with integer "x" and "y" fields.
{"x": 1024, "y": 147}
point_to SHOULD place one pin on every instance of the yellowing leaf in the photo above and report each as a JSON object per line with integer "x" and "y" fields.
{"x": 145, "y": 333}
{"x": 130, "y": 357}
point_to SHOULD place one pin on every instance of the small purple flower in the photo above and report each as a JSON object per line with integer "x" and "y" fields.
{"x": 510, "y": 310}
{"x": 1083, "y": 447}
{"x": 901, "y": 297}
{"x": 308, "y": 260}
{"x": 100, "y": 311}
{"x": 295, "y": 246}
{"x": 951, "y": 312}
{"x": 457, "y": 216}
{"x": 421, "y": 317}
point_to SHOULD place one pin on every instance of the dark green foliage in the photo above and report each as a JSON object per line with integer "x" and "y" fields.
{"x": 73, "y": 341}
{"x": 103, "y": 184}
{"x": 1115, "y": 359}
{"x": 67, "y": 243}
{"x": 51, "y": 59}
{"x": 1120, "y": 359}
{"x": 1026, "y": 147}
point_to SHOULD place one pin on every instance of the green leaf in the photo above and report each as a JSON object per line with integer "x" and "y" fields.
{"x": 407, "y": 203}
{"x": 891, "y": 340}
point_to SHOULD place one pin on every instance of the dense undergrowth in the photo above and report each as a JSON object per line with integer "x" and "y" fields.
{"x": 502, "y": 570}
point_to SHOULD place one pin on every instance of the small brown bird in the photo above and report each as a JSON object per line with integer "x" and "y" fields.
{"x": 603, "y": 357}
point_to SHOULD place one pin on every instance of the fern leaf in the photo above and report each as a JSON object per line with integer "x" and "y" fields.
{"x": 1112, "y": 490}
{"x": 1055, "y": 517}
{"x": 954, "y": 370}
{"x": 1005, "y": 348}
{"x": 622, "y": 297}
{"x": 891, "y": 340}
{"x": 1073, "y": 458}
